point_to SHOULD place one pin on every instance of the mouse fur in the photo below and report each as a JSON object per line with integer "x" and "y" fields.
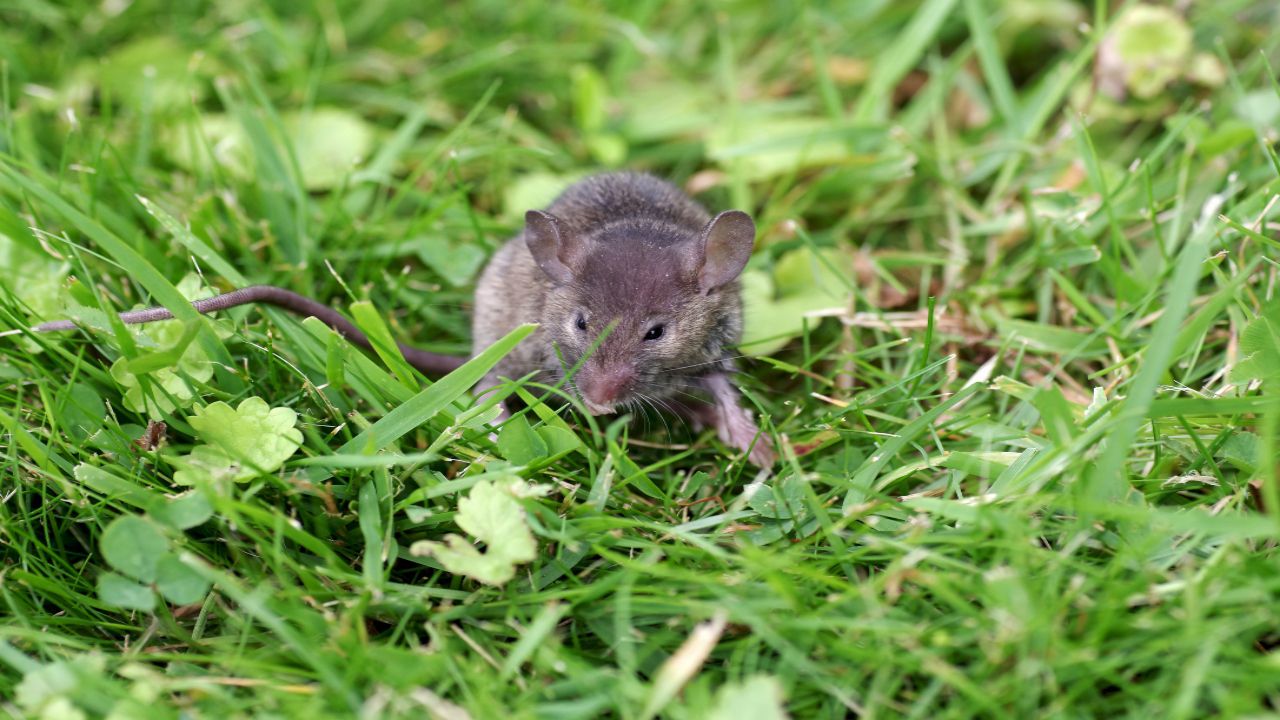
{"x": 629, "y": 257}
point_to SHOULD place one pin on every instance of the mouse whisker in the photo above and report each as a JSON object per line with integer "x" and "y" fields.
{"x": 653, "y": 403}
{"x": 673, "y": 412}
{"x": 709, "y": 362}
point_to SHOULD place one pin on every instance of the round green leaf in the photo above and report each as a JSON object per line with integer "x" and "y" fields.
{"x": 183, "y": 512}
{"x": 519, "y": 443}
{"x": 133, "y": 546}
{"x": 774, "y": 306}
{"x": 156, "y": 71}
{"x": 81, "y": 411}
{"x": 1153, "y": 44}
{"x": 122, "y": 592}
{"x": 211, "y": 141}
{"x": 532, "y": 191}
{"x": 455, "y": 262}
{"x": 558, "y": 440}
{"x": 178, "y": 583}
{"x": 329, "y": 143}
{"x": 759, "y": 697}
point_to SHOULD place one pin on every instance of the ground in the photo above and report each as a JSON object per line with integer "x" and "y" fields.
{"x": 1010, "y": 320}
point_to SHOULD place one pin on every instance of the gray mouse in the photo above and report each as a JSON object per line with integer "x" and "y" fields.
{"x": 624, "y": 262}
{"x": 631, "y": 258}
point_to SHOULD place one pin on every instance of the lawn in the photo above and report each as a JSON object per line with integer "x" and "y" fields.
{"x": 1011, "y": 320}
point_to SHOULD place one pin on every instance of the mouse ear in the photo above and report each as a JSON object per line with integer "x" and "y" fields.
{"x": 726, "y": 245}
{"x": 542, "y": 235}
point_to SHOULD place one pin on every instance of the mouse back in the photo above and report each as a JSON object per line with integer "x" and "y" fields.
{"x": 600, "y": 200}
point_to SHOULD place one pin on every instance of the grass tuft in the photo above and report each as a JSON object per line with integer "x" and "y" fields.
{"x": 1015, "y": 332}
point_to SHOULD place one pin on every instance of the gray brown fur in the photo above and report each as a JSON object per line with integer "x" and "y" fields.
{"x": 634, "y": 247}
{"x": 645, "y": 229}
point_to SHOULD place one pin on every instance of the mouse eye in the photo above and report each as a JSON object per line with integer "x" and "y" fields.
{"x": 655, "y": 332}
{"x": 580, "y": 323}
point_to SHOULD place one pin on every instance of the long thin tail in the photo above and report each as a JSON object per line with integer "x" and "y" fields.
{"x": 427, "y": 362}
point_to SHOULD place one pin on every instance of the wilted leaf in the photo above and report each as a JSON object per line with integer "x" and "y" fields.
{"x": 495, "y": 518}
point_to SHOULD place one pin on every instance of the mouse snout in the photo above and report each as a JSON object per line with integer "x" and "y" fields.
{"x": 604, "y": 387}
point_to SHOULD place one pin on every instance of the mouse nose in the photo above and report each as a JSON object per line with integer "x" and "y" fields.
{"x": 602, "y": 389}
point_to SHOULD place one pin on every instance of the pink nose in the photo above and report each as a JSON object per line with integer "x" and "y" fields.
{"x": 603, "y": 388}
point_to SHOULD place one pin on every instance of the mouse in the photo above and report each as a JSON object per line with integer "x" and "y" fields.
{"x": 635, "y": 283}
{"x": 629, "y": 280}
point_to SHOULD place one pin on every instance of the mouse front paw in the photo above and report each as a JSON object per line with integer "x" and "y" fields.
{"x": 735, "y": 425}
{"x": 737, "y": 428}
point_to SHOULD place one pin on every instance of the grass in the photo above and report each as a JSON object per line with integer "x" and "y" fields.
{"x": 1029, "y": 436}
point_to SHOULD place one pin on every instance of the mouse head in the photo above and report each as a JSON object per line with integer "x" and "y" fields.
{"x": 661, "y": 301}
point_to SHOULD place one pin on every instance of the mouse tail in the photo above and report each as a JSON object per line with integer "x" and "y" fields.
{"x": 431, "y": 363}
{"x": 426, "y": 362}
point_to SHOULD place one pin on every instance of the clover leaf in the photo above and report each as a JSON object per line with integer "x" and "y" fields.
{"x": 133, "y": 545}
{"x": 120, "y": 591}
{"x": 494, "y": 517}
{"x": 138, "y": 551}
{"x": 157, "y": 72}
